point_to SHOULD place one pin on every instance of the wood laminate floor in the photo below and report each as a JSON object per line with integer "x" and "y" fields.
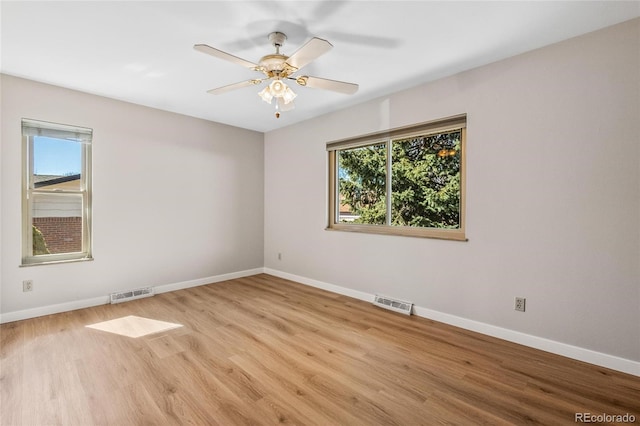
{"x": 263, "y": 350}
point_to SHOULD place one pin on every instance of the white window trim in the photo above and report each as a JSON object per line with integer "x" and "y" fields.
{"x": 30, "y": 129}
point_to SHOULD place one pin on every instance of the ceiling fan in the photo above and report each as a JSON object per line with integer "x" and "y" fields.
{"x": 277, "y": 67}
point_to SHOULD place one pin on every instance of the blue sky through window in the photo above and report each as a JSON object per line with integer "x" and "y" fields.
{"x": 59, "y": 157}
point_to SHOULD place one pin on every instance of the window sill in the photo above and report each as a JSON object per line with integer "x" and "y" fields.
{"x": 440, "y": 234}
{"x": 55, "y": 262}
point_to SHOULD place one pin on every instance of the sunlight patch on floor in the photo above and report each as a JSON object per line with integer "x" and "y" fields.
{"x": 133, "y": 326}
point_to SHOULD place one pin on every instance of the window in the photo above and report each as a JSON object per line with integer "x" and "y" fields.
{"x": 407, "y": 181}
{"x": 56, "y": 195}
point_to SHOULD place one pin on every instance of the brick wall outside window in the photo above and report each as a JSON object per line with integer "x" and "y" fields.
{"x": 61, "y": 234}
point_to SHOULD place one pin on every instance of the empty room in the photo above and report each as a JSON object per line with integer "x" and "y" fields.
{"x": 319, "y": 212}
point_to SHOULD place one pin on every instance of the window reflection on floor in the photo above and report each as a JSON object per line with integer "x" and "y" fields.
{"x": 134, "y": 326}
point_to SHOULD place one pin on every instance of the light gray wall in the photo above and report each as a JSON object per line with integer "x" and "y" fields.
{"x": 175, "y": 198}
{"x": 553, "y": 197}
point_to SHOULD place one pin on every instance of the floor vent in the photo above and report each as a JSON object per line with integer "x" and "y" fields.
{"x": 125, "y": 296}
{"x": 393, "y": 304}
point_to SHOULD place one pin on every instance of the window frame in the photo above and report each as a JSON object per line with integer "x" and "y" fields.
{"x": 457, "y": 122}
{"x": 83, "y": 136}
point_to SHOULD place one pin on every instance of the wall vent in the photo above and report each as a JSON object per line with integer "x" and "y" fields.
{"x": 125, "y": 296}
{"x": 393, "y": 304}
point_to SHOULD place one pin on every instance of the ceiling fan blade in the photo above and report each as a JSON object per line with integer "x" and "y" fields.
{"x": 204, "y": 48}
{"x": 234, "y": 86}
{"x": 311, "y": 50}
{"x": 326, "y": 84}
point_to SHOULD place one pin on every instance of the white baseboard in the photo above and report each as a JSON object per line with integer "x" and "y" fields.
{"x": 321, "y": 285}
{"x": 208, "y": 280}
{"x": 558, "y": 348}
{"x": 103, "y": 300}
{"x": 52, "y": 309}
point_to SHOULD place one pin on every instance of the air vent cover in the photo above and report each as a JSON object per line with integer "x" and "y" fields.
{"x": 125, "y": 296}
{"x": 393, "y": 304}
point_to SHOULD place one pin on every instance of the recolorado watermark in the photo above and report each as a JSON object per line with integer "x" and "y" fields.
{"x": 604, "y": 418}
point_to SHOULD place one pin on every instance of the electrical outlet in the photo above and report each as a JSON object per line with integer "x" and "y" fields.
{"x": 520, "y": 304}
{"x": 27, "y": 285}
{"x": 279, "y": 256}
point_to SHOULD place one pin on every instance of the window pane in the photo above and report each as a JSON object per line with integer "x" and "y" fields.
{"x": 426, "y": 181}
{"x": 57, "y": 164}
{"x": 362, "y": 183}
{"x": 56, "y": 223}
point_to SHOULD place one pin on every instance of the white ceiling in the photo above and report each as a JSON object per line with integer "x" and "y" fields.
{"x": 142, "y": 52}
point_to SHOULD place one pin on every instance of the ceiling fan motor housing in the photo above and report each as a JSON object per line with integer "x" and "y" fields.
{"x": 273, "y": 62}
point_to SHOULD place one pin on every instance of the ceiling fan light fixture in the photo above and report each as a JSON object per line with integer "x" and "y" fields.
{"x": 283, "y": 106}
{"x": 288, "y": 95}
{"x": 277, "y": 88}
{"x": 266, "y": 94}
